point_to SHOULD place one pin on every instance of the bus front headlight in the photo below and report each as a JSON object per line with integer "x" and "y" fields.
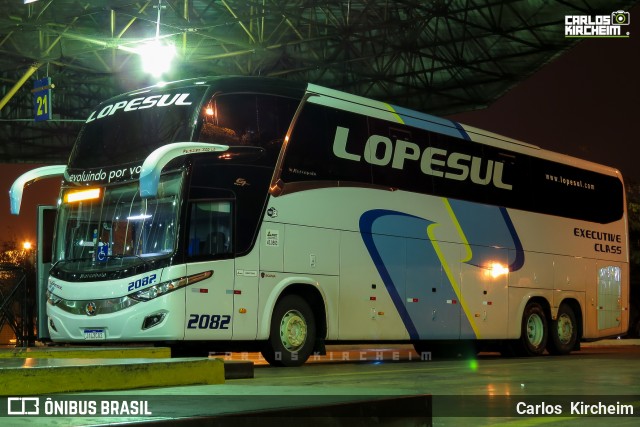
{"x": 164, "y": 288}
{"x": 52, "y": 298}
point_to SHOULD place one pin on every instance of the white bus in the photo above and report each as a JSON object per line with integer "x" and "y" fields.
{"x": 244, "y": 210}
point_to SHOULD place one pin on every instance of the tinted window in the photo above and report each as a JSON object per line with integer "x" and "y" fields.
{"x": 576, "y": 193}
{"x": 247, "y": 120}
{"x": 334, "y": 145}
{"x": 210, "y": 229}
{"x": 126, "y": 129}
{"x": 396, "y": 154}
{"x": 247, "y": 185}
{"x": 310, "y": 155}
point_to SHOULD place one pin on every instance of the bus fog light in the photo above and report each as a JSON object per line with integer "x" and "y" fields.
{"x": 153, "y": 320}
{"x": 52, "y": 325}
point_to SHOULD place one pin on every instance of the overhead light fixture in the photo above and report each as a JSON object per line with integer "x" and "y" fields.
{"x": 157, "y": 55}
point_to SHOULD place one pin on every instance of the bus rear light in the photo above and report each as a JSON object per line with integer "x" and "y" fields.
{"x": 81, "y": 195}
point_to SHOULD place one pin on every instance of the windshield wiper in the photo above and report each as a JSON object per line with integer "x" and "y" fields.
{"x": 88, "y": 258}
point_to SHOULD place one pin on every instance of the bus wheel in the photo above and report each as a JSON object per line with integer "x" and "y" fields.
{"x": 533, "y": 338}
{"x": 563, "y": 331}
{"x": 292, "y": 333}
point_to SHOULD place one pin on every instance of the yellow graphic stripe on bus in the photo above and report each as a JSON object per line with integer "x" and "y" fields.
{"x": 465, "y": 242}
{"x": 447, "y": 268}
{"x": 390, "y": 108}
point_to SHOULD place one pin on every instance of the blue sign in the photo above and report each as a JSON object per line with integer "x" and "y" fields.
{"x": 103, "y": 252}
{"x": 42, "y": 99}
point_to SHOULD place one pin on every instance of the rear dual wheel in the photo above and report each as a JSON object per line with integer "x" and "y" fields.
{"x": 533, "y": 333}
{"x": 558, "y": 336}
{"x": 563, "y": 331}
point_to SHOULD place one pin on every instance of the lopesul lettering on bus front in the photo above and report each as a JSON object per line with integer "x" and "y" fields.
{"x": 140, "y": 104}
{"x": 382, "y": 151}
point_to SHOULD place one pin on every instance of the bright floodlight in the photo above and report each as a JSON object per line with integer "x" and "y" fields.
{"x": 156, "y": 57}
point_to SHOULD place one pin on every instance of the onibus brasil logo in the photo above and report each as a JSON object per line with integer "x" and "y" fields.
{"x": 599, "y": 26}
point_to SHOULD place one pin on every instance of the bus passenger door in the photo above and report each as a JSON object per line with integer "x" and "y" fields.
{"x": 209, "y": 302}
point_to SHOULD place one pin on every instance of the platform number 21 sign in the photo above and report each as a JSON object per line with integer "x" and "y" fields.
{"x": 42, "y": 99}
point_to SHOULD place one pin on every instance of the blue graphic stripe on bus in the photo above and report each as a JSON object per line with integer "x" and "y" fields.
{"x": 411, "y": 271}
{"x": 431, "y": 123}
{"x": 491, "y": 234}
{"x": 367, "y": 221}
{"x": 463, "y": 132}
{"x": 518, "y": 262}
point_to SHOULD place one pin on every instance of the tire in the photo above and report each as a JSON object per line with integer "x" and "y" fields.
{"x": 563, "y": 332}
{"x": 534, "y": 332}
{"x": 292, "y": 334}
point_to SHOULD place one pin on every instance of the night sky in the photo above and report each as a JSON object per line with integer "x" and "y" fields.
{"x": 586, "y": 103}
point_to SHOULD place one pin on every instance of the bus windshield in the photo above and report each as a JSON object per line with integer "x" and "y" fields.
{"x": 95, "y": 228}
{"x": 124, "y": 130}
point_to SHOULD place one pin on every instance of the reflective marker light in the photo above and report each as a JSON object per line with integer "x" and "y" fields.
{"x": 80, "y": 195}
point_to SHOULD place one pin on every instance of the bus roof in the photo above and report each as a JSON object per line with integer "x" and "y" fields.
{"x": 373, "y": 108}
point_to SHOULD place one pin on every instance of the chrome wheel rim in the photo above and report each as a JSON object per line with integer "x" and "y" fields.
{"x": 535, "y": 330}
{"x": 293, "y": 330}
{"x": 565, "y": 329}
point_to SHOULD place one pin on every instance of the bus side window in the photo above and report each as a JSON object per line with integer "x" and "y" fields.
{"x": 397, "y": 133}
{"x": 210, "y": 229}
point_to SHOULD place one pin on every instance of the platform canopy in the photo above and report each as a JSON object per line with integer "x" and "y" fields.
{"x": 440, "y": 56}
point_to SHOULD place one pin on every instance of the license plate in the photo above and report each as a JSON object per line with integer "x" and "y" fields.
{"x": 94, "y": 334}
